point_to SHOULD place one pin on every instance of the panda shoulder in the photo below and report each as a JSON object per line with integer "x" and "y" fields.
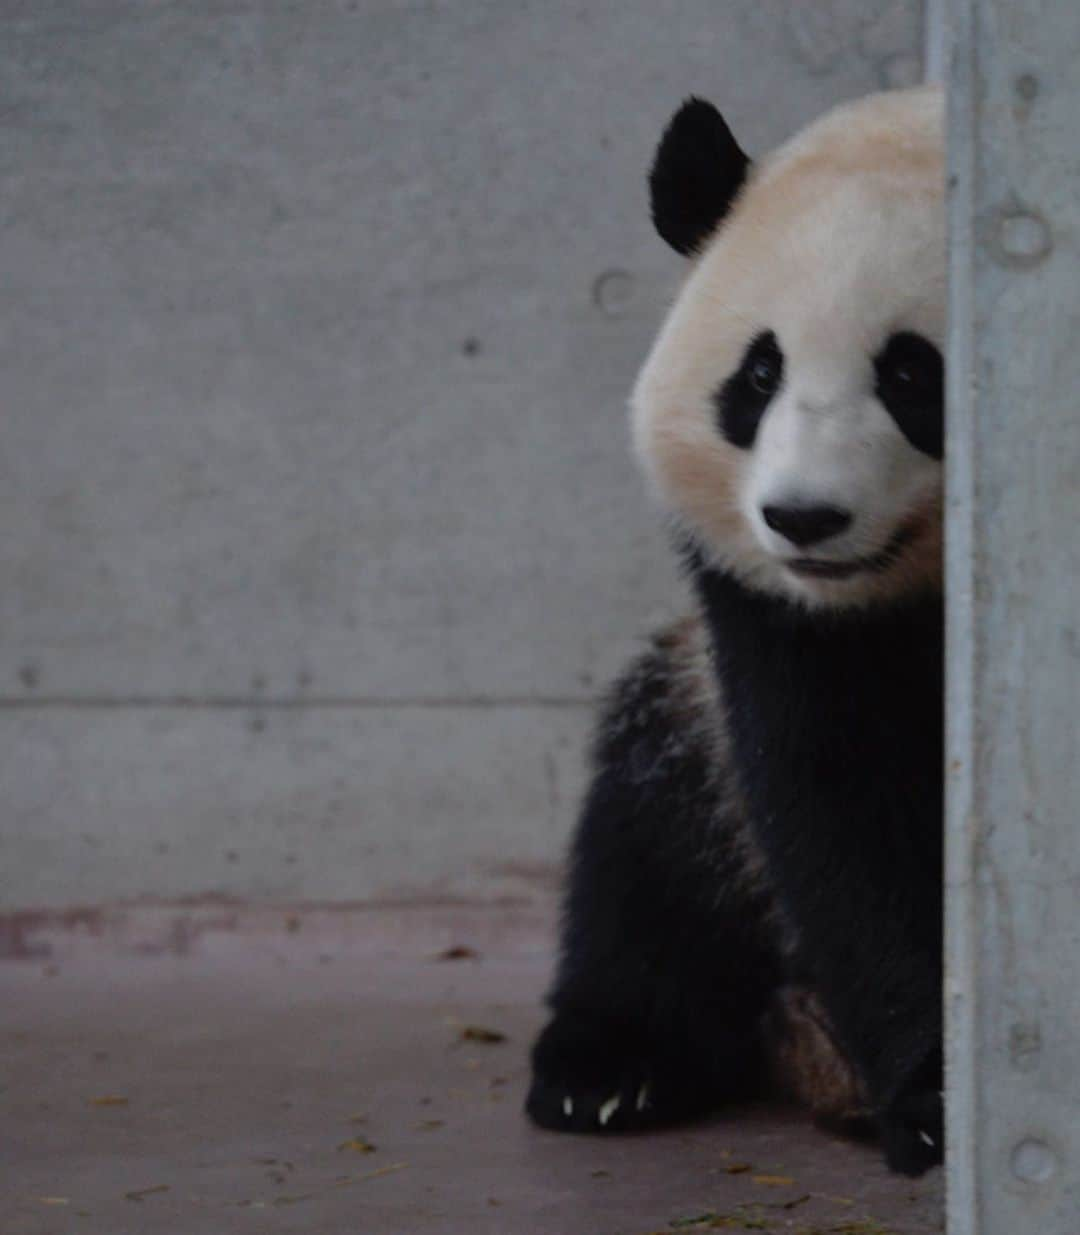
{"x": 668, "y": 694}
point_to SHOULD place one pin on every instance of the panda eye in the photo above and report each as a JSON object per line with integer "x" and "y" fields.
{"x": 764, "y": 375}
{"x": 910, "y": 381}
{"x": 743, "y": 399}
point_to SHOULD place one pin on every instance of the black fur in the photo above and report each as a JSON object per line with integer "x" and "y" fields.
{"x": 698, "y": 171}
{"x": 744, "y": 397}
{"x": 670, "y": 953}
{"x": 910, "y": 381}
{"x": 672, "y": 949}
{"x": 837, "y": 726}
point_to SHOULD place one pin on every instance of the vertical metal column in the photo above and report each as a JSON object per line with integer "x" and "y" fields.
{"x": 1013, "y": 871}
{"x": 935, "y": 39}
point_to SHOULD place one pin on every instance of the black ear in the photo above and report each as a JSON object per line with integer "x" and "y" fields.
{"x": 698, "y": 169}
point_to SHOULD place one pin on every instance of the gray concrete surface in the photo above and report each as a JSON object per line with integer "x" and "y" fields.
{"x": 1013, "y": 870}
{"x": 231, "y": 1081}
{"x": 287, "y": 804}
{"x": 316, "y": 325}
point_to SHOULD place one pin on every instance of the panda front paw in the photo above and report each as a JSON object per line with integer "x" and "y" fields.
{"x": 562, "y": 1107}
{"x": 913, "y": 1132}
{"x": 588, "y": 1079}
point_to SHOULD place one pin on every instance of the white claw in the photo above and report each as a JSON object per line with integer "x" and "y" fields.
{"x": 926, "y": 1138}
{"x": 608, "y": 1109}
{"x": 568, "y": 1106}
{"x": 642, "y": 1097}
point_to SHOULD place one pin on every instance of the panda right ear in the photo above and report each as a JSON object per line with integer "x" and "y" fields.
{"x": 698, "y": 170}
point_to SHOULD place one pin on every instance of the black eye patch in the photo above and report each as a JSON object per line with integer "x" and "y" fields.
{"x": 741, "y": 401}
{"x": 910, "y": 381}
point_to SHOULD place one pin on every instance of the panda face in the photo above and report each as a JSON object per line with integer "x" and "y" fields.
{"x": 791, "y": 411}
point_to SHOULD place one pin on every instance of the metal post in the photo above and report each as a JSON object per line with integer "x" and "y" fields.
{"x": 1013, "y": 870}
{"x": 935, "y": 39}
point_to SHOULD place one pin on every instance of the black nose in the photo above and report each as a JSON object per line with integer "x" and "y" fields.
{"x": 806, "y": 525}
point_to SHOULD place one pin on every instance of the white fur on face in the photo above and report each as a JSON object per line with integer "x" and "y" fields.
{"x": 836, "y": 244}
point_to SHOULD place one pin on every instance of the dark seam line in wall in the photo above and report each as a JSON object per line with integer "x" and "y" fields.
{"x": 256, "y": 702}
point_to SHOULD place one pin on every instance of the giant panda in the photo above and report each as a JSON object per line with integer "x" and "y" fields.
{"x": 754, "y": 894}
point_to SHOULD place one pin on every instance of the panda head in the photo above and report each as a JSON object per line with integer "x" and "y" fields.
{"x": 791, "y": 410}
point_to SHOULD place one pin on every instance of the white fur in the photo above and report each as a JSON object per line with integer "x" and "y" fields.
{"x": 837, "y": 242}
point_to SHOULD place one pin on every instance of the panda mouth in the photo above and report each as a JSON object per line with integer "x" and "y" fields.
{"x": 875, "y": 563}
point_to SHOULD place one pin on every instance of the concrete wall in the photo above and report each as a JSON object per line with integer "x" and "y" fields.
{"x": 316, "y": 325}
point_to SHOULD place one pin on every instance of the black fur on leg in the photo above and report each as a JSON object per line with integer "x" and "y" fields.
{"x": 913, "y": 1127}
{"x": 670, "y": 946}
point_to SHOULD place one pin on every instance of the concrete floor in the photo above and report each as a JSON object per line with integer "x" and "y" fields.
{"x": 210, "y": 1071}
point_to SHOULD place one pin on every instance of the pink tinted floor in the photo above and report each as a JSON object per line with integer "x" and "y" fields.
{"x": 312, "y": 1073}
